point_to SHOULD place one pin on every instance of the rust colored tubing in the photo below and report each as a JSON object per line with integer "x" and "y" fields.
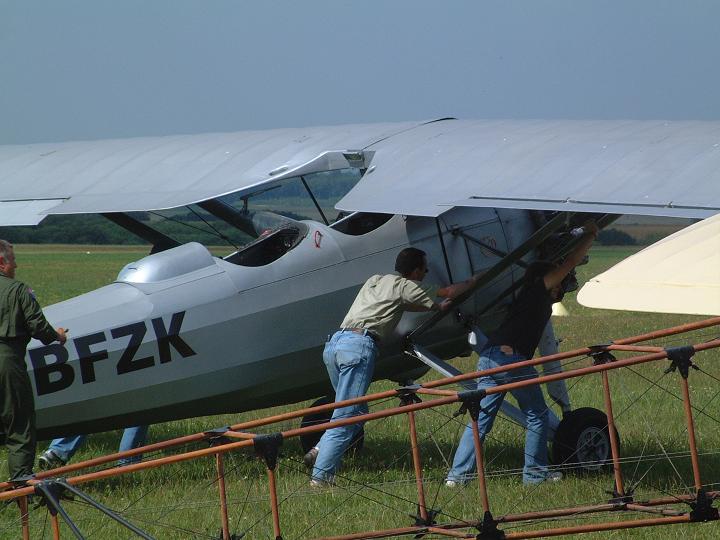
{"x": 358, "y": 419}
{"x": 612, "y": 432}
{"x": 450, "y": 380}
{"x": 238, "y": 435}
{"x": 631, "y": 524}
{"x": 417, "y": 467}
{"x": 24, "y": 517}
{"x": 385, "y": 533}
{"x": 590, "y": 369}
{"x": 561, "y": 512}
{"x": 274, "y": 503}
{"x": 691, "y": 433}
{"x": 368, "y": 416}
{"x": 435, "y": 392}
{"x": 223, "y": 497}
{"x": 81, "y": 479}
{"x": 673, "y": 330}
{"x": 576, "y": 352}
{"x": 651, "y": 510}
{"x": 634, "y": 348}
{"x": 133, "y": 467}
{"x": 320, "y": 408}
{"x": 480, "y": 464}
{"x": 447, "y": 532}
{"x": 621, "y": 525}
{"x": 678, "y": 499}
{"x": 380, "y": 395}
{"x": 55, "y": 527}
{"x": 60, "y": 471}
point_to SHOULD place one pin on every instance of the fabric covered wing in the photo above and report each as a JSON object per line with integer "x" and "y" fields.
{"x": 162, "y": 172}
{"x": 679, "y": 274}
{"x": 635, "y": 167}
{"x": 25, "y": 212}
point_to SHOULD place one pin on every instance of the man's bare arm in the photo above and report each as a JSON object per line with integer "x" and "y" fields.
{"x": 554, "y": 277}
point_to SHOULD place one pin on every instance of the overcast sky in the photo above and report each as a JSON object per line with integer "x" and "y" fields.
{"x": 89, "y": 69}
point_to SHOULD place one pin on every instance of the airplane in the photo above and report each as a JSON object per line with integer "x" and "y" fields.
{"x": 182, "y": 333}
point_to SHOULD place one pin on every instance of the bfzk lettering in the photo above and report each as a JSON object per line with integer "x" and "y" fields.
{"x": 53, "y": 372}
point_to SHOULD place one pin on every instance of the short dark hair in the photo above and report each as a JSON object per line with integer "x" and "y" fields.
{"x": 408, "y": 260}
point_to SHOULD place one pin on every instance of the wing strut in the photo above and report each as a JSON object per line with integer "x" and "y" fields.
{"x": 603, "y": 222}
{"x": 159, "y": 241}
{"x": 531, "y": 243}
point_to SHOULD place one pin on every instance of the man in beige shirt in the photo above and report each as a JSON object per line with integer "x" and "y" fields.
{"x": 350, "y": 353}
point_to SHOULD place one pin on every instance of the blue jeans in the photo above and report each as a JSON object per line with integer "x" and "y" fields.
{"x": 132, "y": 438}
{"x": 531, "y": 402}
{"x": 350, "y": 362}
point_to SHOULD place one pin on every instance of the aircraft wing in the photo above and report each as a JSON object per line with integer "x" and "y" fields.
{"x": 639, "y": 167}
{"x": 678, "y": 274}
{"x": 633, "y": 167}
{"x": 153, "y": 173}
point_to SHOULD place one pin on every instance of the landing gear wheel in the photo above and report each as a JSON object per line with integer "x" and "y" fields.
{"x": 309, "y": 440}
{"x": 582, "y": 439}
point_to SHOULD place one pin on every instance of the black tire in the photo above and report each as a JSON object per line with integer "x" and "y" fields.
{"x": 309, "y": 440}
{"x": 582, "y": 439}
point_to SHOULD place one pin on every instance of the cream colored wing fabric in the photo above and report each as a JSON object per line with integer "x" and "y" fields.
{"x": 679, "y": 274}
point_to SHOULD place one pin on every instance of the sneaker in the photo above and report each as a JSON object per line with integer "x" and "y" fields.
{"x": 554, "y": 476}
{"x": 452, "y": 484}
{"x": 316, "y": 483}
{"x": 50, "y": 460}
{"x": 310, "y": 457}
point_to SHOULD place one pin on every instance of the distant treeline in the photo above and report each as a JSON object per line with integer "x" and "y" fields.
{"x": 97, "y": 230}
{"x": 615, "y": 237}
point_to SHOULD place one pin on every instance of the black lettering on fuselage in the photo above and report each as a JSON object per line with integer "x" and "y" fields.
{"x": 127, "y": 362}
{"x": 65, "y": 374}
{"x": 59, "y": 375}
{"x": 165, "y": 338}
{"x": 88, "y": 357}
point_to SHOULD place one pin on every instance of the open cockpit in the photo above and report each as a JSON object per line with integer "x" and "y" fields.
{"x": 258, "y": 227}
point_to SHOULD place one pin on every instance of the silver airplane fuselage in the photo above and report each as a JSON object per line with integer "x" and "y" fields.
{"x": 183, "y": 334}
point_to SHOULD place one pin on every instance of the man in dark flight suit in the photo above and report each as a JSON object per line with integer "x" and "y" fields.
{"x": 20, "y": 319}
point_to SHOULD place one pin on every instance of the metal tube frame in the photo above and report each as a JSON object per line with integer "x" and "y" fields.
{"x": 243, "y": 439}
{"x": 224, "y": 521}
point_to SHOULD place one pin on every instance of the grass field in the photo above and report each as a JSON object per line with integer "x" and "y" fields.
{"x": 376, "y": 487}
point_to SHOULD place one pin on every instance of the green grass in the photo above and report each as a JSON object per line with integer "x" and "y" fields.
{"x": 377, "y": 488}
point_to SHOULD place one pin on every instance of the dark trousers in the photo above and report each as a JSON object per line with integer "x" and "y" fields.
{"x": 17, "y": 410}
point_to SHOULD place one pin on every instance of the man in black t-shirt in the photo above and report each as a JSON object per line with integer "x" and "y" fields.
{"x": 514, "y": 341}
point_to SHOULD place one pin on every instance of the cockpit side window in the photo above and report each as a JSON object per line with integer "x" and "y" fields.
{"x": 359, "y": 223}
{"x": 329, "y": 187}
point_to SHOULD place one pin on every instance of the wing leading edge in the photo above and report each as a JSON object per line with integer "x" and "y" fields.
{"x": 156, "y": 173}
{"x": 634, "y": 167}
{"x": 678, "y": 274}
{"x": 638, "y": 167}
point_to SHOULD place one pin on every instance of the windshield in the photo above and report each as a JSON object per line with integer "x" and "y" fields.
{"x": 311, "y": 196}
{"x": 237, "y": 220}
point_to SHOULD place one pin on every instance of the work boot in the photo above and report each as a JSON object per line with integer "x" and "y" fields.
{"x": 311, "y": 457}
{"x": 50, "y": 460}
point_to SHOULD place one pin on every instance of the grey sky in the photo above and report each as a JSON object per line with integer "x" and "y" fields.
{"x": 86, "y": 69}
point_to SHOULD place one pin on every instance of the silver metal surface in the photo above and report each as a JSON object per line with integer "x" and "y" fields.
{"x": 151, "y": 173}
{"x": 167, "y": 264}
{"x": 637, "y": 167}
{"x": 255, "y": 333}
